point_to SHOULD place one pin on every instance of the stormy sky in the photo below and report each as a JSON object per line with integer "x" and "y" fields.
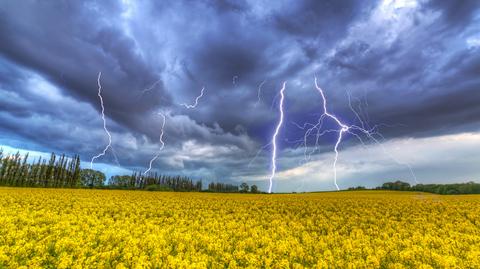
{"x": 407, "y": 70}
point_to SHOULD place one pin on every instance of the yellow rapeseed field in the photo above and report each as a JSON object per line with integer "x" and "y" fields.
{"x": 132, "y": 229}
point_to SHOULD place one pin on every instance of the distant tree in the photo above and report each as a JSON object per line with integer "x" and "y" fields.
{"x": 254, "y": 189}
{"x": 221, "y": 187}
{"x": 76, "y": 171}
{"x": 397, "y": 185}
{"x": 157, "y": 188}
{"x": 357, "y": 188}
{"x": 121, "y": 181}
{"x": 92, "y": 178}
{"x": 198, "y": 186}
{"x": 244, "y": 187}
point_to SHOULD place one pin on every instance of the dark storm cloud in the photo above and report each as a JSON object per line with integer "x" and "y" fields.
{"x": 415, "y": 69}
{"x": 317, "y": 25}
{"x": 218, "y": 45}
{"x": 69, "y": 43}
{"x": 229, "y": 5}
{"x": 428, "y": 85}
{"x": 326, "y": 19}
{"x": 456, "y": 13}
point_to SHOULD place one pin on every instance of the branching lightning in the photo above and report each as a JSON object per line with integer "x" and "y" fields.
{"x": 196, "y": 100}
{"x": 104, "y": 122}
{"x": 381, "y": 139}
{"x": 274, "y": 138}
{"x": 161, "y": 142}
{"x": 361, "y": 131}
{"x": 342, "y": 129}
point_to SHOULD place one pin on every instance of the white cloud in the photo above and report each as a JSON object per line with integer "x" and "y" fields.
{"x": 388, "y": 21}
{"x": 473, "y": 42}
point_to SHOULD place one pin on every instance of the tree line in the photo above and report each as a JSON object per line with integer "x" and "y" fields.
{"x": 64, "y": 172}
{"x": 154, "y": 181}
{"x": 222, "y": 187}
{"x": 225, "y": 187}
{"x": 453, "y": 188}
{"x": 56, "y": 172}
{"x": 157, "y": 182}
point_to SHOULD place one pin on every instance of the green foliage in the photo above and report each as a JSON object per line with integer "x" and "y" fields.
{"x": 254, "y": 189}
{"x": 92, "y": 178}
{"x": 397, "y": 185}
{"x": 158, "y": 188}
{"x": 154, "y": 182}
{"x": 244, "y": 187}
{"x": 455, "y": 188}
{"x": 222, "y": 187}
{"x": 357, "y": 188}
{"x": 121, "y": 181}
{"x": 59, "y": 172}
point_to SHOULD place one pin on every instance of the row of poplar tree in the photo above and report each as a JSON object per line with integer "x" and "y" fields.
{"x": 222, "y": 187}
{"x": 56, "y": 172}
{"x": 155, "y": 181}
{"x": 63, "y": 172}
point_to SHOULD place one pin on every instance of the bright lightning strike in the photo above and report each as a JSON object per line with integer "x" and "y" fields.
{"x": 196, "y": 100}
{"x": 342, "y": 129}
{"x": 104, "y": 122}
{"x": 274, "y": 138}
{"x": 161, "y": 142}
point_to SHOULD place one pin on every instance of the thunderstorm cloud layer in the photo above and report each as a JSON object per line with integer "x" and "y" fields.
{"x": 411, "y": 66}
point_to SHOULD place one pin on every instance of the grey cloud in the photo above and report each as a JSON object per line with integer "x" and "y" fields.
{"x": 456, "y": 13}
{"x": 83, "y": 46}
{"x": 424, "y": 76}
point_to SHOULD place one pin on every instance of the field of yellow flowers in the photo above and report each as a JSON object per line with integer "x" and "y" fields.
{"x": 123, "y": 229}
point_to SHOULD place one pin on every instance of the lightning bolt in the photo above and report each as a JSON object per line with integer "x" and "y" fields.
{"x": 150, "y": 88}
{"x": 259, "y": 92}
{"x": 378, "y": 142}
{"x": 342, "y": 129}
{"x": 196, "y": 100}
{"x": 161, "y": 142}
{"x": 104, "y": 122}
{"x": 274, "y": 138}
